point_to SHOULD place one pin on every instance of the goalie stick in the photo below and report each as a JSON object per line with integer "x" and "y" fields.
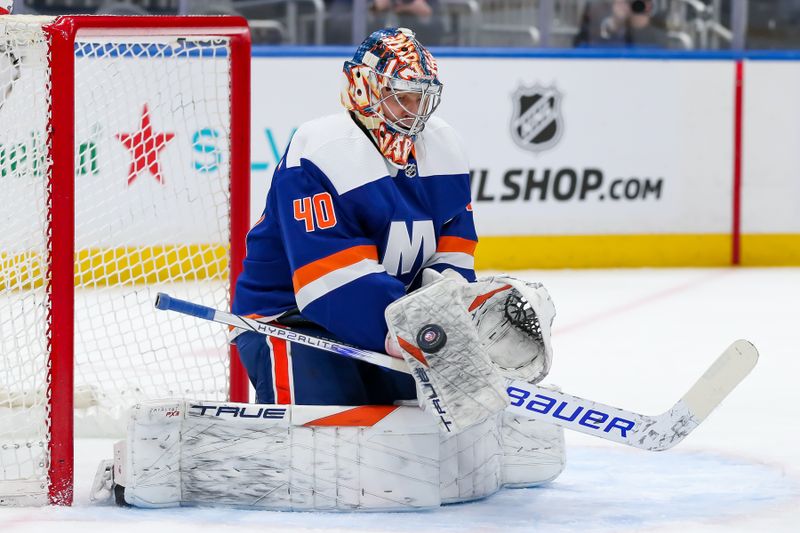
{"x": 653, "y": 433}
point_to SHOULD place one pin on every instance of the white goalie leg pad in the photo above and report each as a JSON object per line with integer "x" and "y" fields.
{"x": 471, "y": 462}
{"x": 278, "y": 457}
{"x": 282, "y": 457}
{"x": 504, "y": 451}
{"x": 152, "y": 460}
{"x": 456, "y": 380}
{"x": 533, "y": 451}
{"x": 514, "y": 320}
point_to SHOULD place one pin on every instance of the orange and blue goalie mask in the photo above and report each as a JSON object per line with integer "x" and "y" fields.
{"x": 392, "y": 88}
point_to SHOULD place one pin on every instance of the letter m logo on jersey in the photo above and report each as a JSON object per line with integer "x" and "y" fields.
{"x": 402, "y": 249}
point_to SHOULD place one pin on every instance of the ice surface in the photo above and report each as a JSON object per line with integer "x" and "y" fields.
{"x": 633, "y": 338}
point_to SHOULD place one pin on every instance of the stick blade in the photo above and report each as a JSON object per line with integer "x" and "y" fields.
{"x": 721, "y": 378}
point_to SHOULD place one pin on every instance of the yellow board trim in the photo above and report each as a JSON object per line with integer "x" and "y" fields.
{"x": 97, "y": 267}
{"x": 21, "y": 271}
{"x": 771, "y": 249}
{"x": 603, "y": 251}
{"x": 100, "y": 267}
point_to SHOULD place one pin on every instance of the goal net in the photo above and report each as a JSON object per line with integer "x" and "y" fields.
{"x": 124, "y": 171}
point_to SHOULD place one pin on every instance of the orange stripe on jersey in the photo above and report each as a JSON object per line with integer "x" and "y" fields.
{"x": 366, "y": 415}
{"x": 316, "y": 269}
{"x": 280, "y": 359}
{"x": 456, "y": 244}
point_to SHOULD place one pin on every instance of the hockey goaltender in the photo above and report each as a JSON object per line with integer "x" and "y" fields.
{"x": 332, "y": 256}
{"x": 367, "y": 239}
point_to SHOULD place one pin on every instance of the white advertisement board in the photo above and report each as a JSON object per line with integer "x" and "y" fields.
{"x": 771, "y": 148}
{"x": 770, "y": 206}
{"x": 556, "y": 146}
{"x": 601, "y": 154}
{"x": 586, "y": 147}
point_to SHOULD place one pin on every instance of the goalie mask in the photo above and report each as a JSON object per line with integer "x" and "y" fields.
{"x": 392, "y": 88}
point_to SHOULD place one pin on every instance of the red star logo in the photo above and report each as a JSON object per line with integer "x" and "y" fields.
{"x": 144, "y": 146}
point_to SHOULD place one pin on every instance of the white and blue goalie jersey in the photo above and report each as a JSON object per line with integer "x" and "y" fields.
{"x": 344, "y": 234}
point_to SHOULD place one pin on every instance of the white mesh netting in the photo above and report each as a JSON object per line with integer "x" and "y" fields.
{"x": 152, "y": 201}
{"x": 23, "y": 249}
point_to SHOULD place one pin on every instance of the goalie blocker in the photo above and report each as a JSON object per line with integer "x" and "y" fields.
{"x": 462, "y": 341}
{"x": 298, "y": 457}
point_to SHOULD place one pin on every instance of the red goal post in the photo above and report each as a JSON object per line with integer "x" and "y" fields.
{"x": 154, "y": 156}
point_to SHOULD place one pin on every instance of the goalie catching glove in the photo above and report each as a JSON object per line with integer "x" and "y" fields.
{"x": 514, "y": 320}
{"x": 462, "y": 339}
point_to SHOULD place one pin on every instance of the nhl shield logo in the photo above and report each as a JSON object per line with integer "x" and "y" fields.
{"x": 536, "y": 123}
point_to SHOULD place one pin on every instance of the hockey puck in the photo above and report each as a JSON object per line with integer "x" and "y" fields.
{"x": 431, "y": 338}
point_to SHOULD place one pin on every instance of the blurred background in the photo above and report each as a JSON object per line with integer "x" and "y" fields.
{"x": 665, "y": 24}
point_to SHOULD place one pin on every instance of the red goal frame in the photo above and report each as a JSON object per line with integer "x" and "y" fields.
{"x": 62, "y": 34}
